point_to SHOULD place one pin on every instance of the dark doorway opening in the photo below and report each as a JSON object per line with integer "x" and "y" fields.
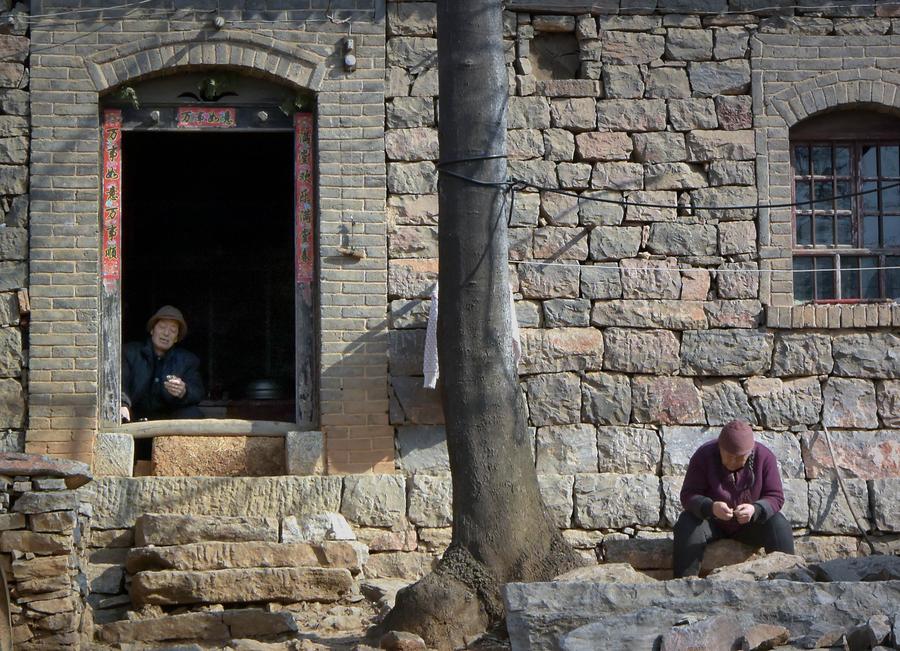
{"x": 208, "y": 227}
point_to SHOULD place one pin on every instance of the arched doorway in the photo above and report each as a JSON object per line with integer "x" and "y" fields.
{"x": 208, "y": 204}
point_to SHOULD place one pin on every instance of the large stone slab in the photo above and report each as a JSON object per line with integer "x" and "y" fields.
{"x": 374, "y": 500}
{"x": 802, "y": 354}
{"x": 235, "y": 555}
{"x": 860, "y": 454}
{"x": 640, "y": 351}
{"x": 867, "y": 355}
{"x": 423, "y": 449}
{"x": 725, "y": 352}
{"x": 828, "y": 510}
{"x": 561, "y": 349}
{"x": 171, "y": 587}
{"x": 540, "y": 615}
{"x": 785, "y": 403}
{"x": 675, "y": 315}
{"x": 611, "y": 501}
{"x": 218, "y": 456}
{"x": 119, "y": 501}
{"x": 606, "y": 398}
{"x": 886, "y": 503}
{"x": 849, "y": 402}
{"x": 666, "y": 400}
{"x": 15, "y": 464}
{"x": 628, "y": 450}
{"x": 185, "y": 626}
{"x": 168, "y": 529}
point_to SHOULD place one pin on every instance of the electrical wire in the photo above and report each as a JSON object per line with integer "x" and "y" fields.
{"x": 609, "y": 264}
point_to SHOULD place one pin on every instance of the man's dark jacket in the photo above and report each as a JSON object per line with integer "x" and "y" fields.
{"x": 149, "y": 399}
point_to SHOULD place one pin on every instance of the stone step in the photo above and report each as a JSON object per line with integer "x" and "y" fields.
{"x": 285, "y": 585}
{"x": 205, "y": 626}
{"x": 235, "y": 555}
{"x": 171, "y": 529}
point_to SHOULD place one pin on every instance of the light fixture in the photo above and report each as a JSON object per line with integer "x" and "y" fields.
{"x": 349, "y": 56}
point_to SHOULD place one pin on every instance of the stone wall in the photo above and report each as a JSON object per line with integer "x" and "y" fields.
{"x": 14, "y": 155}
{"x": 646, "y": 328}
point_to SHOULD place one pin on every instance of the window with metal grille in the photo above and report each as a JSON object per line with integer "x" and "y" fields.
{"x": 847, "y": 217}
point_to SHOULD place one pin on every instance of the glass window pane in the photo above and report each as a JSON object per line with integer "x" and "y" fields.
{"x": 844, "y": 230}
{"x": 868, "y": 163}
{"x": 870, "y": 239}
{"x": 891, "y": 277}
{"x": 803, "y": 279}
{"x": 823, "y": 195}
{"x": 825, "y": 288}
{"x": 824, "y": 230}
{"x": 891, "y": 230}
{"x": 821, "y": 159}
{"x": 849, "y": 277}
{"x": 890, "y": 161}
{"x": 801, "y": 160}
{"x": 803, "y": 195}
{"x": 842, "y": 161}
{"x": 844, "y": 190}
{"x": 890, "y": 197}
{"x": 870, "y": 197}
{"x": 804, "y": 230}
{"x": 869, "y": 279}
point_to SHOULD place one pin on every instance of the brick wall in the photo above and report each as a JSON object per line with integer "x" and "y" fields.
{"x": 646, "y": 329}
{"x": 73, "y": 62}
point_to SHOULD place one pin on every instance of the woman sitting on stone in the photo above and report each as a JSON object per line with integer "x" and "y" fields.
{"x": 732, "y": 489}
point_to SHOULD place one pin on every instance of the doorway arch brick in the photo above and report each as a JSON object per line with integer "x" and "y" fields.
{"x": 72, "y": 64}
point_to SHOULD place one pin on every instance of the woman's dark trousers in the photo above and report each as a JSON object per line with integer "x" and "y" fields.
{"x": 693, "y": 534}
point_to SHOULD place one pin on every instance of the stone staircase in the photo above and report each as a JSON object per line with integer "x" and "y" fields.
{"x": 218, "y": 582}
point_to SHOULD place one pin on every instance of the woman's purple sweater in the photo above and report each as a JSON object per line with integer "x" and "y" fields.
{"x": 708, "y": 481}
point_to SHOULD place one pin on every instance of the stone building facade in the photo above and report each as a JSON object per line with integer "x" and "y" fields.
{"x": 648, "y": 318}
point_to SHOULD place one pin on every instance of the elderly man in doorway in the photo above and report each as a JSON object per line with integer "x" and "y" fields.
{"x": 160, "y": 380}
{"x": 732, "y": 489}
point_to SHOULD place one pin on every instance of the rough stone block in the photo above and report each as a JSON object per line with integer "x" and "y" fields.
{"x": 674, "y": 176}
{"x": 659, "y": 147}
{"x": 873, "y": 355}
{"x": 10, "y": 358}
{"x": 674, "y": 315}
{"x": 411, "y": 178}
{"x": 612, "y": 501}
{"x": 600, "y": 209}
{"x": 713, "y": 145}
{"x": 802, "y": 354}
{"x": 409, "y": 112}
{"x": 305, "y": 453}
{"x": 422, "y": 449}
{"x": 374, "y": 500}
{"x": 734, "y": 314}
{"x": 668, "y": 82}
{"x": 664, "y": 208}
{"x": 556, "y": 491}
{"x": 415, "y": 144}
{"x": 643, "y": 279}
{"x": 725, "y": 400}
{"x": 601, "y": 281}
{"x": 623, "y": 82}
{"x": 784, "y": 403}
{"x": 566, "y": 449}
{"x": 566, "y": 312}
{"x": 862, "y": 455}
{"x": 886, "y": 503}
{"x": 168, "y": 529}
{"x": 553, "y": 398}
{"x": 549, "y": 281}
{"x": 725, "y": 352}
{"x": 634, "y": 450}
{"x": 736, "y": 238}
{"x": 113, "y": 454}
{"x": 411, "y": 278}
{"x": 828, "y": 510}
{"x": 720, "y": 78}
{"x": 193, "y": 626}
{"x": 606, "y": 398}
{"x": 528, "y": 113}
{"x": 430, "y": 500}
{"x": 618, "y": 176}
{"x": 631, "y": 115}
{"x": 631, "y": 47}
{"x": 849, "y": 403}
{"x": 614, "y": 242}
{"x": 689, "y": 44}
{"x": 679, "y": 445}
{"x": 218, "y": 456}
{"x": 410, "y": 566}
{"x": 595, "y": 146}
{"x": 666, "y": 400}
{"x": 687, "y": 114}
{"x": 561, "y": 349}
{"x": 796, "y": 502}
{"x": 560, "y": 243}
{"x": 640, "y": 351}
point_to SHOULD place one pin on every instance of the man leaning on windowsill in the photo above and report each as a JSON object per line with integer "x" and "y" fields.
{"x": 159, "y": 379}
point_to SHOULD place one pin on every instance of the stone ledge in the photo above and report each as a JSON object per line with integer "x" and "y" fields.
{"x": 861, "y": 315}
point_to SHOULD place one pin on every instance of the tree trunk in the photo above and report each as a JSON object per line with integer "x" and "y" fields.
{"x": 501, "y": 531}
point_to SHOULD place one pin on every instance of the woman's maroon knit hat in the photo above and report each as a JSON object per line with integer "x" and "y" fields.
{"x": 737, "y": 438}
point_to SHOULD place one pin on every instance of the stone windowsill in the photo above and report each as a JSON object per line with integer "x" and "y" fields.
{"x": 203, "y": 427}
{"x": 859, "y": 315}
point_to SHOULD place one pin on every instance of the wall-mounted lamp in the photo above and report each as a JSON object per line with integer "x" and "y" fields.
{"x": 262, "y": 116}
{"x": 154, "y": 117}
{"x": 218, "y": 22}
{"x": 349, "y": 54}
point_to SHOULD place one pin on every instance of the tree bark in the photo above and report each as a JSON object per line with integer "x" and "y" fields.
{"x": 501, "y": 531}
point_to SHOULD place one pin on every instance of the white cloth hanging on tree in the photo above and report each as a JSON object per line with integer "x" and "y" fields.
{"x": 430, "y": 366}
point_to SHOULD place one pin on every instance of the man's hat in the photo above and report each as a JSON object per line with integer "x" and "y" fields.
{"x": 737, "y": 438}
{"x": 172, "y": 313}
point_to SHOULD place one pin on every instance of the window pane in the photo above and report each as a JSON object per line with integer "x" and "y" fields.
{"x": 891, "y": 230}
{"x": 890, "y": 197}
{"x": 844, "y": 189}
{"x": 825, "y": 279}
{"x": 891, "y": 277}
{"x": 824, "y": 230}
{"x": 890, "y": 161}
{"x": 801, "y": 160}
{"x": 804, "y": 230}
{"x": 870, "y": 238}
{"x": 803, "y": 195}
{"x": 821, "y": 159}
{"x": 870, "y": 198}
{"x": 844, "y": 230}
{"x": 869, "y": 279}
{"x": 868, "y": 163}
{"x": 824, "y": 193}
{"x": 803, "y": 281}
{"x": 842, "y": 161}
{"x": 849, "y": 277}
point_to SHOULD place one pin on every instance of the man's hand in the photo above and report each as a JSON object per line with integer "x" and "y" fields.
{"x": 721, "y": 511}
{"x": 175, "y": 386}
{"x": 125, "y": 414}
{"x": 744, "y": 512}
